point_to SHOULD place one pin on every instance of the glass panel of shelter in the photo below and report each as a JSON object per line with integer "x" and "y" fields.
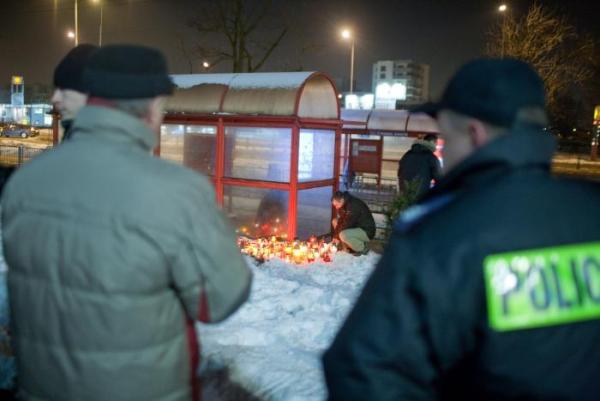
{"x": 256, "y": 212}
{"x": 314, "y": 211}
{"x": 193, "y": 146}
{"x": 316, "y": 154}
{"x": 258, "y": 153}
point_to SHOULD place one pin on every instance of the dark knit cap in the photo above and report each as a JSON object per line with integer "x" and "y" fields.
{"x": 69, "y": 72}
{"x": 127, "y": 72}
{"x": 492, "y": 90}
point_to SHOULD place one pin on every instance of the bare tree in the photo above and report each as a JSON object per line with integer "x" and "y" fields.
{"x": 185, "y": 52}
{"x": 550, "y": 44}
{"x": 242, "y": 32}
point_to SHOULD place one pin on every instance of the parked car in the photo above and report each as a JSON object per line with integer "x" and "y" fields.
{"x": 18, "y": 130}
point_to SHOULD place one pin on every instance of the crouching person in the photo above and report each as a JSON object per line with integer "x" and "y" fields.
{"x": 354, "y": 225}
{"x": 113, "y": 254}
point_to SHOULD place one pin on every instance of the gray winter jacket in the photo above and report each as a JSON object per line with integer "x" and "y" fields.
{"x": 112, "y": 255}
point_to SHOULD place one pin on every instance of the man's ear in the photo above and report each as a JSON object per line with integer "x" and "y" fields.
{"x": 478, "y": 134}
{"x": 154, "y": 116}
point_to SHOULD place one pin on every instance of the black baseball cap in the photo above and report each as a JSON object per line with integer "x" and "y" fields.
{"x": 492, "y": 90}
{"x": 124, "y": 71}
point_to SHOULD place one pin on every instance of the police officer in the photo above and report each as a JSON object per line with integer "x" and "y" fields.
{"x": 490, "y": 286}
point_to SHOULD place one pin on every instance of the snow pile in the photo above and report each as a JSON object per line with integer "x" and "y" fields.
{"x": 256, "y": 80}
{"x": 270, "y": 349}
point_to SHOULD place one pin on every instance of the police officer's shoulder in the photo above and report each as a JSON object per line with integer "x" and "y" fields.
{"x": 419, "y": 213}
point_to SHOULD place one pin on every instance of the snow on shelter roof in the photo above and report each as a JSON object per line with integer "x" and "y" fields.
{"x": 388, "y": 120}
{"x": 301, "y": 94}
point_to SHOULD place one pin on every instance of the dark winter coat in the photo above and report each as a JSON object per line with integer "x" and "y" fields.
{"x": 114, "y": 254}
{"x": 354, "y": 214}
{"x": 419, "y": 164}
{"x": 480, "y": 292}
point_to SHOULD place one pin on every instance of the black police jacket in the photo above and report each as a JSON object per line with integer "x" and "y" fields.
{"x": 354, "y": 214}
{"x": 488, "y": 290}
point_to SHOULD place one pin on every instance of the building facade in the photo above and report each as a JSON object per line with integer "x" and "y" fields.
{"x": 398, "y": 83}
{"x": 17, "y": 111}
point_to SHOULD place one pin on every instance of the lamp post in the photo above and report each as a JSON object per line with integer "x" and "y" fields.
{"x": 101, "y": 20}
{"x": 347, "y": 35}
{"x": 502, "y": 8}
{"x": 76, "y": 25}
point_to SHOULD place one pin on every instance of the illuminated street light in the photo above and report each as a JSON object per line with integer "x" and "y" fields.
{"x": 205, "y": 64}
{"x": 71, "y": 35}
{"x": 347, "y": 35}
{"x": 502, "y": 8}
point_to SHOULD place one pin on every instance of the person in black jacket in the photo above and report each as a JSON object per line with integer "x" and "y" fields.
{"x": 70, "y": 94}
{"x": 420, "y": 164}
{"x": 354, "y": 225}
{"x": 490, "y": 286}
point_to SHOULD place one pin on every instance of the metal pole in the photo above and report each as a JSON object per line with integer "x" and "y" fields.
{"x": 352, "y": 67}
{"x": 76, "y": 26}
{"x": 101, "y": 17}
{"x": 503, "y": 28}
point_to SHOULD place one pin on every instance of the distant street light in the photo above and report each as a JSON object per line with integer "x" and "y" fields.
{"x": 101, "y": 18}
{"x": 347, "y": 35}
{"x": 502, "y": 8}
{"x": 205, "y": 64}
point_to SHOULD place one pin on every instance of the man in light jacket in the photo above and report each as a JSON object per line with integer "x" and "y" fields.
{"x": 113, "y": 254}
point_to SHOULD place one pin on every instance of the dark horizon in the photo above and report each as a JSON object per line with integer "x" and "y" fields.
{"x": 441, "y": 33}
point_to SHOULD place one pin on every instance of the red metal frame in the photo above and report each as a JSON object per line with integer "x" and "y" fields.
{"x": 55, "y": 120}
{"x": 293, "y": 198}
{"x": 220, "y": 167}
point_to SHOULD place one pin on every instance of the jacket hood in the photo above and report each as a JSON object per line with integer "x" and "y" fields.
{"x": 113, "y": 125}
{"x": 423, "y": 146}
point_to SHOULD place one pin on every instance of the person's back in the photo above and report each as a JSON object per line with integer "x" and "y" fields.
{"x": 113, "y": 255}
{"x": 419, "y": 164}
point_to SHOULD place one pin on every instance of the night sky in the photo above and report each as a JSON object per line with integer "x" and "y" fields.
{"x": 442, "y": 33}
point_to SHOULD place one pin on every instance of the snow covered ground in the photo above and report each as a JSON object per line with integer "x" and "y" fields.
{"x": 270, "y": 349}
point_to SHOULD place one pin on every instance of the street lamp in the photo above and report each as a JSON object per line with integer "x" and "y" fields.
{"x": 71, "y": 35}
{"x": 76, "y": 25}
{"x": 101, "y": 18}
{"x": 503, "y": 8}
{"x": 205, "y": 64}
{"x": 347, "y": 35}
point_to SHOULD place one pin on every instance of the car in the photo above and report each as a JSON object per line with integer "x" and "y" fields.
{"x": 18, "y": 131}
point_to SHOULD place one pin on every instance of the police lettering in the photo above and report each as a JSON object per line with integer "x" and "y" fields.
{"x": 549, "y": 286}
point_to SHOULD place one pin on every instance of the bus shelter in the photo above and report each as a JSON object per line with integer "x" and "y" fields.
{"x": 268, "y": 142}
{"x": 374, "y": 141}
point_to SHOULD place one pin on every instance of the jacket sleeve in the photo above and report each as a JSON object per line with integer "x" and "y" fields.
{"x": 210, "y": 274}
{"x": 436, "y": 168}
{"x": 380, "y": 353}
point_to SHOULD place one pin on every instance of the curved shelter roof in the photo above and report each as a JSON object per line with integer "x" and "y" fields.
{"x": 293, "y": 94}
{"x": 388, "y": 121}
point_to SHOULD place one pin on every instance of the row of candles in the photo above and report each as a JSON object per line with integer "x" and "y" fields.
{"x": 298, "y": 252}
